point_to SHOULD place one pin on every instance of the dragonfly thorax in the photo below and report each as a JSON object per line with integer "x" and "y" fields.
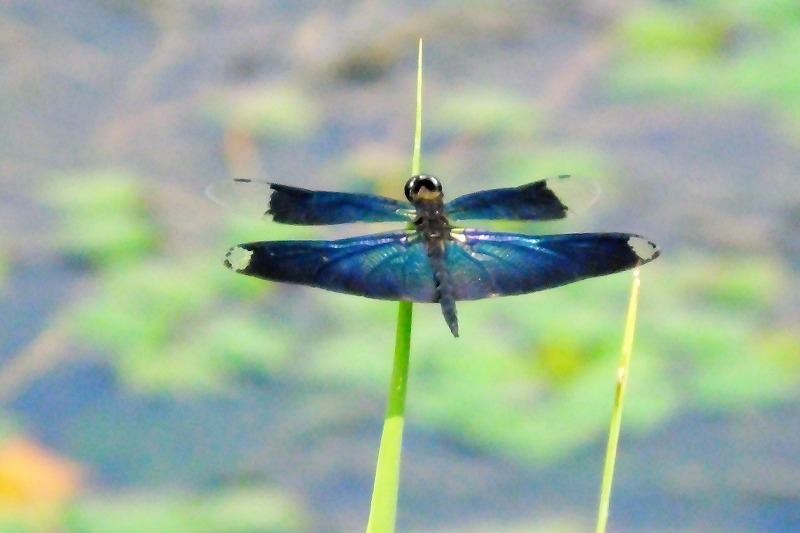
{"x": 425, "y": 192}
{"x": 433, "y": 225}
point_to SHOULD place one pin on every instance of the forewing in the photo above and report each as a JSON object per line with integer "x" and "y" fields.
{"x": 484, "y": 264}
{"x": 294, "y": 205}
{"x": 548, "y": 199}
{"x": 387, "y": 266}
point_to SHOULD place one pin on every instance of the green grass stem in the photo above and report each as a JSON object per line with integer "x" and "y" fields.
{"x": 616, "y": 416}
{"x": 383, "y": 509}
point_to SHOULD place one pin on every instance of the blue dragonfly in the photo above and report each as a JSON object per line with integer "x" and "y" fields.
{"x": 433, "y": 261}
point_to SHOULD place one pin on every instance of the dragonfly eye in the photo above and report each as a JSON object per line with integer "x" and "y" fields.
{"x": 423, "y": 186}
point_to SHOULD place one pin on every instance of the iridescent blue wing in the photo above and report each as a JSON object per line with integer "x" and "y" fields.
{"x": 387, "y": 266}
{"x": 549, "y": 199}
{"x": 484, "y": 264}
{"x": 293, "y": 205}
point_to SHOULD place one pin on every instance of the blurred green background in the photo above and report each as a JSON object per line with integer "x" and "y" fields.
{"x": 147, "y": 389}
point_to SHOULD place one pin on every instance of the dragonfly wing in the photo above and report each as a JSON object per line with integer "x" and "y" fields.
{"x": 541, "y": 200}
{"x": 293, "y": 205}
{"x": 387, "y": 266}
{"x": 483, "y": 264}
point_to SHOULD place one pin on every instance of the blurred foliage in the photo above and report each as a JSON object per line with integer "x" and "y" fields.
{"x": 278, "y": 113}
{"x": 719, "y": 327}
{"x": 484, "y": 113}
{"x": 153, "y": 310}
{"x": 375, "y": 168}
{"x": 741, "y": 51}
{"x": 564, "y": 525}
{"x": 106, "y": 219}
{"x": 506, "y": 127}
{"x": 158, "y": 319}
{"x": 517, "y": 164}
{"x": 242, "y": 510}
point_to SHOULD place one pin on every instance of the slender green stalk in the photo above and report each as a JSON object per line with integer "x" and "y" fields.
{"x": 383, "y": 509}
{"x": 418, "y": 130}
{"x": 616, "y": 416}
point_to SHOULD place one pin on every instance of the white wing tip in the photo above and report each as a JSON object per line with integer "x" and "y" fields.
{"x": 238, "y": 258}
{"x": 644, "y": 249}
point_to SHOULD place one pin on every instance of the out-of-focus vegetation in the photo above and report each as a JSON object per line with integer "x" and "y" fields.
{"x": 105, "y": 218}
{"x": 531, "y": 379}
{"x": 275, "y": 114}
{"x": 737, "y": 52}
{"x": 239, "y": 510}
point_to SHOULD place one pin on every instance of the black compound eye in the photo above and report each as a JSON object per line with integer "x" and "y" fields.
{"x": 423, "y": 181}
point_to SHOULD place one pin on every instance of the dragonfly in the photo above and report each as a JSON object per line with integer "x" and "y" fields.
{"x": 432, "y": 260}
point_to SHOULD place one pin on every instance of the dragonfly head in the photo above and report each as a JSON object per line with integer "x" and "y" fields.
{"x": 423, "y": 187}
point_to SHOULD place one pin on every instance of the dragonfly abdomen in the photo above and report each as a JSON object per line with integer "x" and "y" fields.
{"x": 445, "y": 292}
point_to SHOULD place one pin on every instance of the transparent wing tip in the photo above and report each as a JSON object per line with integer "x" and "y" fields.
{"x": 574, "y": 192}
{"x": 244, "y": 197}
